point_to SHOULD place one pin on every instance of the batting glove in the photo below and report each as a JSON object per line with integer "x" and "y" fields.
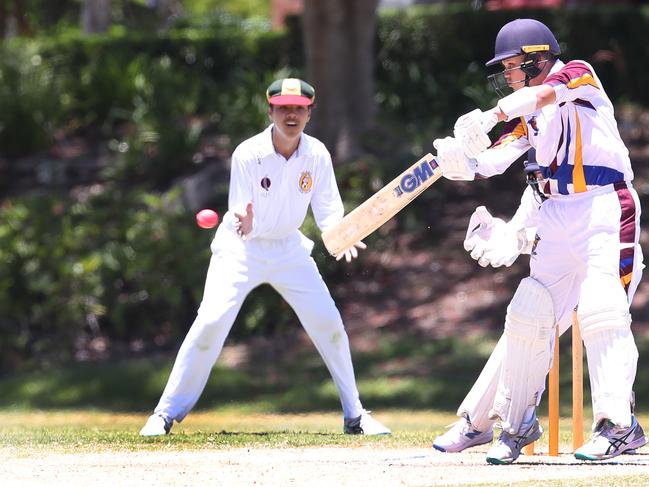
{"x": 471, "y": 130}
{"x": 491, "y": 241}
{"x": 452, "y": 160}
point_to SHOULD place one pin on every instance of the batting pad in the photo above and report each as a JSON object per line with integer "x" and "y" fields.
{"x": 529, "y": 327}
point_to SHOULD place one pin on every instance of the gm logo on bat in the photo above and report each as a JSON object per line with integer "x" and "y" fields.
{"x": 413, "y": 179}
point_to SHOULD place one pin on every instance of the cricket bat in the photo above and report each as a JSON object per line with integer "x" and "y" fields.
{"x": 382, "y": 205}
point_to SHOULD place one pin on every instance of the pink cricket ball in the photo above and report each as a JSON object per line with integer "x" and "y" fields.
{"x": 207, "y": 218}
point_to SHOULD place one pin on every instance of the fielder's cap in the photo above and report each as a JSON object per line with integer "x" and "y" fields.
{"x": 290, "y": 91}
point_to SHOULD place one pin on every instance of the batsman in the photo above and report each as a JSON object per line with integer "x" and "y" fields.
{"x": 586, "y": 251}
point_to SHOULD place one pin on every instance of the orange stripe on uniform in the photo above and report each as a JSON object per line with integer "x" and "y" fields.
{"x": 578, "y": 178}
{"x": 519, "y": 131}
{"x": 626, "y": 279}
{"x": 585, "y": 79}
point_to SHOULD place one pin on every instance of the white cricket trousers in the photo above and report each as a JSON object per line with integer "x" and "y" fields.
{"x": 291, "y": 271}
{"x": 588, "y": 253}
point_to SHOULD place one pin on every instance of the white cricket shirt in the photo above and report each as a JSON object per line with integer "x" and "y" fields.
{"x": 281, "y": 190}
{"x": 578, "y": 146}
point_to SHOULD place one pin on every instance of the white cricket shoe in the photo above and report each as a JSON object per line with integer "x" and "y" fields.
{"x": 364, "y": 424}
{"x": 156, "y": 425}
{"x": 462, "y": 435}
{"x": 508, "y": 447}
{"x": 609, "y": 441}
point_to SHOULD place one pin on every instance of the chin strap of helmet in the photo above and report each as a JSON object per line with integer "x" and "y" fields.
{"x": 531, "y": 65}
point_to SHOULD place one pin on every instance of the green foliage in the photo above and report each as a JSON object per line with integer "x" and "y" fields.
{"x": 89, "y": 263}
{"x": 29, "y": 112}
{"x": 124, "y": 260}
{"x": 153, "y": 97}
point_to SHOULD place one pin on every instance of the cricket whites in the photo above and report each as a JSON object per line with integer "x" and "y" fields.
{"x": 382, "y": 206}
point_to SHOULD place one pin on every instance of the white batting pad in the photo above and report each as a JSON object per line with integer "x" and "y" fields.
{"x": 612, "y": 362}
{"x": 605, "y": 324}
{"x": 602, "y": 310}
{"x": 529, "y": 328}
{"x": 480, "y": 399}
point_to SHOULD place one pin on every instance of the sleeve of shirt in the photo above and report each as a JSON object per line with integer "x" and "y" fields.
{"x": 240, "y": 191}
{"x": 326, "y": 203}
{"x": 509, "y": 147}
{"x": 574, "y": 81}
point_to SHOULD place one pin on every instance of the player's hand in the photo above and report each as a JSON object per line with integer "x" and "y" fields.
{"x": 452, "y": 160}
{"x": 471, "y": 130}
{"x": 491, "y": 241}
{"x": 244, "y": 221}
{"x": 351, "y": 252}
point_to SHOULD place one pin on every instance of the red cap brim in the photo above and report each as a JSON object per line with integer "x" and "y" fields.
{"x": 290, "y": 100}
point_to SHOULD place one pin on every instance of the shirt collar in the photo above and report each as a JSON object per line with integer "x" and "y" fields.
{"x": 267, "y": 147}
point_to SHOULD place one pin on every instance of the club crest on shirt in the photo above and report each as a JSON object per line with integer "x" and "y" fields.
{"x": 306, "y": 182}
{"x": 265, "y": 183}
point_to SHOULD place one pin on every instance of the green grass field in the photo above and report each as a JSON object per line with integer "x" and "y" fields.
{"x": 32, "y": 435}
{"x": 30, "y": 431}
{"x": 275, "y": 404}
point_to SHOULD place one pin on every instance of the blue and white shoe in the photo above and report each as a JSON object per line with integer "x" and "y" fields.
{"x": 609, "y": 441}
{"x": 462, "y": 435}
{"x": 508, "y": 447}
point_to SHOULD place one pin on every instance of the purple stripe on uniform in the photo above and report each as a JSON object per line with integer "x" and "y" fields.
{"x": 566, "y": 74}
{"x": 594, "y": 176}
{"x": 584, "y": 103}
{"x": 563, "y": 174}
{"x": 627, "y": 230}
{"x": 601, "y": 175}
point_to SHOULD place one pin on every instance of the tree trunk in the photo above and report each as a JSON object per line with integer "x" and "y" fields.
{"x": 3, "y": 18}
{"x": 15, "y": 16}
{"x": 95, "y": 16}
{"x": 339, "y": 43}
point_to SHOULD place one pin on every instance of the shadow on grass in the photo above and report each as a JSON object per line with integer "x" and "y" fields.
{"x": 404, "y": 373}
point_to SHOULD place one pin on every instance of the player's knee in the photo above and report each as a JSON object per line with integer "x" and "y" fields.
{"x": 530, "y": 313}
{"x": 206, "y": 332}
{"x": 602, "y": 308}
{"x": 326, "y": 321}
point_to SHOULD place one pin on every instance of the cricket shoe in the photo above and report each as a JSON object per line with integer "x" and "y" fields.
{"x": 364, "y": 424}
{"x": 609, "y": 441}
{"x": 508, "y": 447}
{"x": 462, "y": 435}
{"x": 156, "y": 425}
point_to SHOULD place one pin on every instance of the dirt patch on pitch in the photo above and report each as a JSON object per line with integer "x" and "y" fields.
{"x": 311, "y": 466}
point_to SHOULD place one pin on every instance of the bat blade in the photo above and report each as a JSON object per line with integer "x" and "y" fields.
{"x": 382, "y": 205}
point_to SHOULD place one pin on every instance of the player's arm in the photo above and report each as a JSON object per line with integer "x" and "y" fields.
{"x": 327, "y": 206}
{"x": 470, "y": 133}
{"x": 524, "y": 102}
{"x": 455, "y": 164}
{"x": 575, "y": 80}
{"x": 240, "y": 201}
